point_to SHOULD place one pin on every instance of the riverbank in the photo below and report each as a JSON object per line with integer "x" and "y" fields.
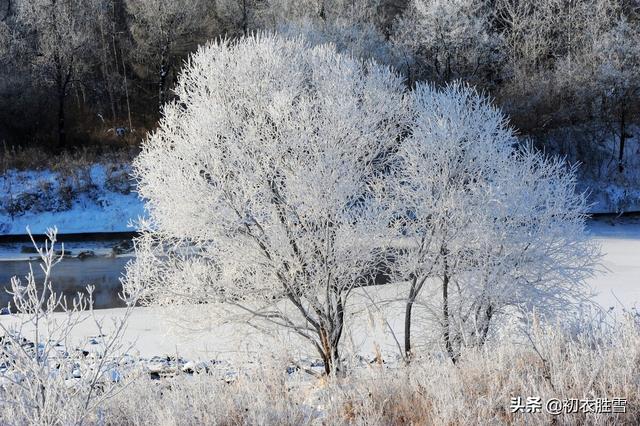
{"x": 80, "y": 198}
{"x": 98, "y": 196}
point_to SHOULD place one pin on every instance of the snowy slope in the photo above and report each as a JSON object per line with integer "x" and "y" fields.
{"x": 112, "y": 213}
{"x": 101, "y": 198}
{"x": 618, "y": 285}
{"x": 101, "y": 201}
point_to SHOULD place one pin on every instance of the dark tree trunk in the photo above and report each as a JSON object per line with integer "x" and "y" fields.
{"x": 164, "y": 72}
{"x": 446, "y": 328}
{"x": 488, "y": 314}
{"x": 62, "y": 136}
{"x": 623, "y": 139}
{"x": 63, "y": 83}
{"x": 330, "y": 353}
{"x": 245, "y": 17}
{"x": 407, "y": 319}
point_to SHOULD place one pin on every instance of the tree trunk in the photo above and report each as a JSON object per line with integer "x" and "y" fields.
{"x": 63, "y": 83}
{"x": 330, "y": 333}
{"x": 62, "y": 137}
{"x": 164, "y": 71}
{"x": 126, "y": 92}
{"x": 488, "y": 313}
{"x": 245, "y": 18}
{"x": 446, "y": 333}
{"x": 407, "y": 319}
{"x": 623, "y": 138}
{"x": 330, "y": 354}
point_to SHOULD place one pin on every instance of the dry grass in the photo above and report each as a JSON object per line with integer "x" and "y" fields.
{"x": 477, "y": 390}
{"x": 34, "y": 158}
{"x": 430, "y": 391}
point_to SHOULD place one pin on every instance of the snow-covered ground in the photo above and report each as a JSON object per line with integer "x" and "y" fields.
{"x": 618, "y": 285}
{"x": 112, "y": 214}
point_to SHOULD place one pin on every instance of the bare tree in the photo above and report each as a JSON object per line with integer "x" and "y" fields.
{"x": 162, "y": 30}
{"x": 61, "y": 36}
{"x": 605, "y": 74}
{"x": 265, "y": 183}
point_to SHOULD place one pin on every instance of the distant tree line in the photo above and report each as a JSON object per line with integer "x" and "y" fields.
{"x": 75, "y": 72}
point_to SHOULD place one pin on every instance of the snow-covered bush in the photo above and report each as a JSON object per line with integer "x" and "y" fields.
{"x": 266, "y": 184}
{"x": 44, "y": 378}
{"x": 489, "y": 225}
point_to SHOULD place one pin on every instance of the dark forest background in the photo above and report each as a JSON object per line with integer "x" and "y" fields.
{"x": 94, "y": 74}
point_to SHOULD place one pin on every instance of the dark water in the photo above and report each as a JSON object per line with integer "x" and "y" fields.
{"x": 72, "y": 276}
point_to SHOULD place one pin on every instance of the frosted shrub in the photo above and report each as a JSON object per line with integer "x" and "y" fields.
{"x": 45, "y": 378}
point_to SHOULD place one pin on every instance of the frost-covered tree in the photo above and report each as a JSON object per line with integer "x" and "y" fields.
{"x": 244, "y": 16}
{"x": 552, "y": 76}
{"x": 5, "y": 38}
{"x": 451, "y": 39}
{"x": 60, "y": 36}
{"x": 489, "y": 227}
{"x": 162, "y": 29}
{"x": 266, "y": 184}
{"x": 605, "y": 73}
{"x": 359, "y": 39}
{"x": 323, "y": 10}
{"x": 5, "y": 29}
